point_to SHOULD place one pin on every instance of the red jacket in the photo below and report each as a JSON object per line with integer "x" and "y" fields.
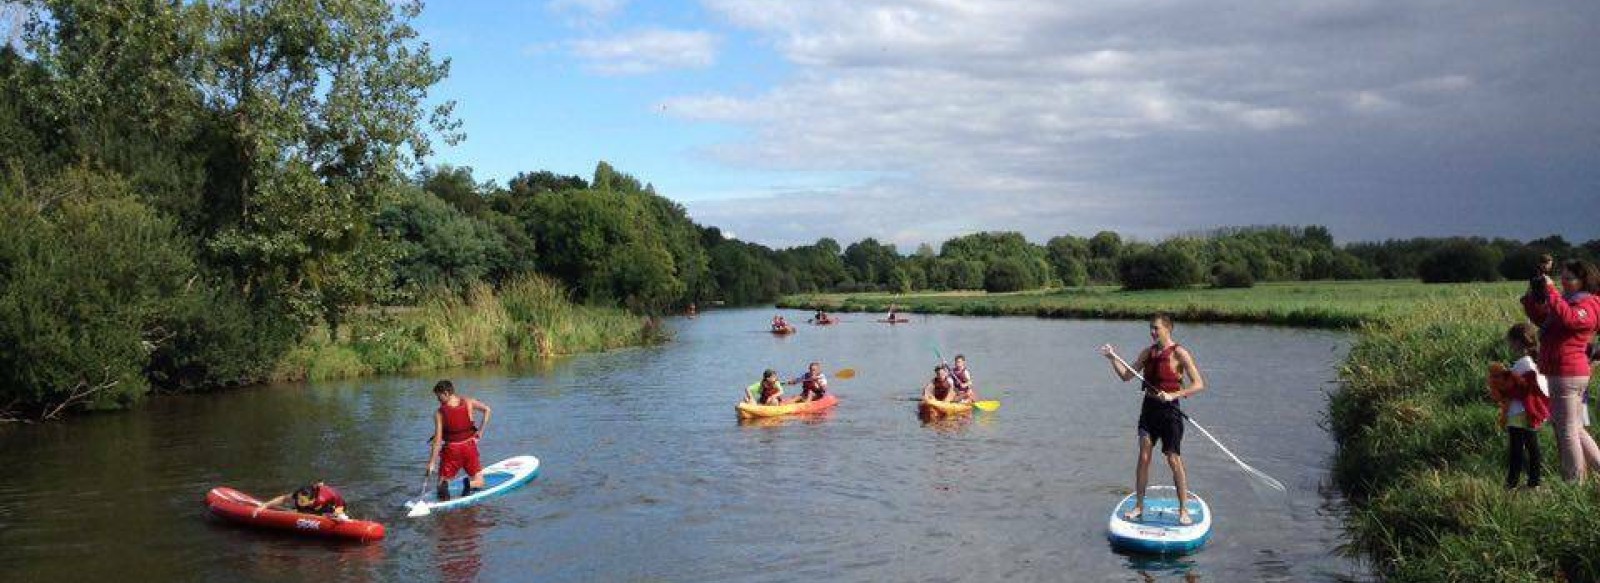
{"x": 1565, "y": 327}
{"x": 1506, "y": 386}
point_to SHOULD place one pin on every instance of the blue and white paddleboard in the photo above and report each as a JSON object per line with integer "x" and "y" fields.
{"x": 499, "y": 478}
{"x": 1158, "y": 531}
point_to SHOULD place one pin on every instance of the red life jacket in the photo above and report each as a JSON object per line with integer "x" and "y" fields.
{"x": 962, "y": 378}
{"x": 813, "y": 383}
{"x": 326, "y": 501}
{"x": 942, "y": 388}
{"x": 457, "y": 421}
{"x": 769, "y": 389}
{"x": 1161, "y": 369}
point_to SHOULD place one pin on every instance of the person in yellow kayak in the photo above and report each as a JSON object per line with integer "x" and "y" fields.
{"x": 813, "y": 385}
{"x": 319, "y": 499}
{"x": 963, "y": 380}
{"x": 767, "y": 392}
{"x": 942, "y": 387}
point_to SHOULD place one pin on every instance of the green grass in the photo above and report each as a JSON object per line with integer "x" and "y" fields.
{"x": 528, "y": 319}
{"x": 1420, "y": 456}
{"x": 1323, "y": 304}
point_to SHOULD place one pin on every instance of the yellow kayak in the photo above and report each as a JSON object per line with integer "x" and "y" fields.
{"x": 945, "y": 407}
{"x": 750, "y": 410}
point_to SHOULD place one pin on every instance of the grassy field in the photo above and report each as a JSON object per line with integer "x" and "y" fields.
{"x": 1306, "y": 304}
{"x": 1420, "y": 456}
{"x": 530, "y": 318}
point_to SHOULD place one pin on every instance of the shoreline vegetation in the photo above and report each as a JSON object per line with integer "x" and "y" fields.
{"x": 529, "y": 318}
{"x": 1419, "y": 455}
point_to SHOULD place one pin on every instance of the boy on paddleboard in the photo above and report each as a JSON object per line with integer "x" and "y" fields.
{"x": 319, "y": 498}
{"x": 455, "y": 439}
{"x": 1165, "y": 365}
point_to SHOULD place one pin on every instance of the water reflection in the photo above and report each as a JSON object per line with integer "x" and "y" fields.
{"x": 459, "y": 543}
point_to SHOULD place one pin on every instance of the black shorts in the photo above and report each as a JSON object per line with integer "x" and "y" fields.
{"x": 1163, "y": 426}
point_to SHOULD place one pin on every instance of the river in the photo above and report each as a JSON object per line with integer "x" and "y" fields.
{"x": 648, "y": 476}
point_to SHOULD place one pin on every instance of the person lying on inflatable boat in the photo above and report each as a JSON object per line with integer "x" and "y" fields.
{"x": 319, "y": 499}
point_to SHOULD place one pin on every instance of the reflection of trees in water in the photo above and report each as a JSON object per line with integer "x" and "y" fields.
{"x": 460, "y": 544}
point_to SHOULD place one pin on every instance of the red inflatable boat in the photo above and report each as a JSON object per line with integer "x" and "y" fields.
{"x": 241, "y": 508}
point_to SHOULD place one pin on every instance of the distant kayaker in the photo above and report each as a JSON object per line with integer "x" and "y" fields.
{"x": 1165, "y": 365}
{"x": 692, "y": 312}
{"x": 893, "y": 312}
{"x": 942, "y": 387}
{"x": 813, "y": 385}
{"x": 319, "y": 499}
{"x": 821, "y": 317}
{"x": 766, "y": 392}
{"x": 778, "y": 323}
{"x": 963, "y": 380}
{"x": 1567, "y": 317}
{"x": 455, "y": 439}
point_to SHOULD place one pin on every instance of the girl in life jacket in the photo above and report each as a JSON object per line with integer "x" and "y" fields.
{"x": 942, "y": 387}
{"x": 963, "y": 379}
{"x": 813, "y": 385}
{"x": 767, "y": 392}
{"x": 319, "y": 499}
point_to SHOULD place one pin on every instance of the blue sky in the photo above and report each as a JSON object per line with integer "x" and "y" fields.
{"x": 916, "y": 120}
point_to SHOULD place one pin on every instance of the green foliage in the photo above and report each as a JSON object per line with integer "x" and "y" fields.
{"x": 1458, "y": 262}
{"x": 1005, "y": 275}
{"x": 440, "y": 246}
{"x": 89, "y": 274}
{"x": 871, "y": 263}
{"x": 1165, "y": 266}
{"x": 1231, "y": 275}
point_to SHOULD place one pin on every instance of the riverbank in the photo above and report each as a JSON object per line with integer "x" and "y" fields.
{"x": 528, "y": 319}
{"x": 1319, "y": 304}
{"x": 1420, "y": 457}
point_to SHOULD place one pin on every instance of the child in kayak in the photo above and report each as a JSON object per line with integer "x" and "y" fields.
{"x": 455, "y": 439}
{"x": 767, "y": 392}
{"x": 963, "y": 380}
{"x": 1524, "y": 398}
{"x": 942, "y": 387}
{"x": 813, "y": 385}
{"x": 778, "y": 323}
{"x": 319, "y": 499}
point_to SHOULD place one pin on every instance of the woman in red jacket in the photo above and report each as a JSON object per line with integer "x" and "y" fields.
{"x": 1567, "y": 320}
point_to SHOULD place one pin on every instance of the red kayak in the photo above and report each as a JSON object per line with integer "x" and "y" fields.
{"x": 241, "y": 508}
{"x": 784, "y": 331}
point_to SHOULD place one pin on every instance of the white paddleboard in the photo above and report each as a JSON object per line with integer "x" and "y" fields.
{"x": 1158, "y": 531}
{"x": 499, "y": 478}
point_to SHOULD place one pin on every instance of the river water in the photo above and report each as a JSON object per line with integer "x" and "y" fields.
{"x": 648, "y": 476}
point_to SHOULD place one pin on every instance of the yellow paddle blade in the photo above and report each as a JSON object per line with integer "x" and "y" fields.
{"x": 986, "y": 405}
{"x": 845, "y": 373}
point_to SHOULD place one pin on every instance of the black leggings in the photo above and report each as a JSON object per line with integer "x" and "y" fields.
{"x": 1524, "y": 454}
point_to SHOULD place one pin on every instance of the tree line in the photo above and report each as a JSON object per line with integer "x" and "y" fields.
{"x": 187, "y": 190}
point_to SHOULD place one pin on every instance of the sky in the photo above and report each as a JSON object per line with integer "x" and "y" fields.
{"x": 911, "y": 121}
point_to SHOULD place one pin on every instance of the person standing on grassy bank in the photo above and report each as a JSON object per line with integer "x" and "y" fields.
{"x": 1567, "y": 318}
{"x": 1165, "y": 365}
{"x": 1524, "y": 398}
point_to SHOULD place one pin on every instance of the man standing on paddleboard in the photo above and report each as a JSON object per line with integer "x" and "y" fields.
{"x": 455, "y": 439}
{"x": 1165, "y": 365}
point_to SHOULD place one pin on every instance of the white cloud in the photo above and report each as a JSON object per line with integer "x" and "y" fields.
{"x": 647, "y": 51}
{"x": 1020, "y": 112}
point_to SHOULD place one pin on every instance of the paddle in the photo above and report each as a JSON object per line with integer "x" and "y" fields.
{"x": 1250, "y": 471}
{"x": 420, "y": 506}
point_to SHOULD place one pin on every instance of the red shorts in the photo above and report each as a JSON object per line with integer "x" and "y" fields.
{"x": 458, "y": 456}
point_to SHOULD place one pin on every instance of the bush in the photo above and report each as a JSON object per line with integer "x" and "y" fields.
{"x": 1459, "y": 262}
{"x": 1005, "y": 275}
{"x": 1231, "y": 275}
{"x": 1164, "y": 266}
{"x": 1521, "y": 264}
{"x": 88, "y": 273}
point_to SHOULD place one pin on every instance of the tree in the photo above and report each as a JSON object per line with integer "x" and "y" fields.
{"x": 1105, "y": 245}
{"x": 990, "y": 247}
{"x": 1165, "y": 266}
{"x": 1005, "y": 275}
{"x": 1459, "y": 261}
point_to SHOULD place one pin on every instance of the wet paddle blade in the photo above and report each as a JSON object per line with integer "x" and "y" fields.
{"x": 986, "y": 405}
{"x": 845, "y": 373}
{"x": 418, "y": 509}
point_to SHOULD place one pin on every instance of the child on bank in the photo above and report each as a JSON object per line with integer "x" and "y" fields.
{"x": 1524, "y": 399}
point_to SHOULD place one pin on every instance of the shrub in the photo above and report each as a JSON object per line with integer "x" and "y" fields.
{"x": 1164, "y": 266}
{"x": 1231, "y": 275}
{"x": 1005, "y": 275}
{"x": 1459, "y": 261}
